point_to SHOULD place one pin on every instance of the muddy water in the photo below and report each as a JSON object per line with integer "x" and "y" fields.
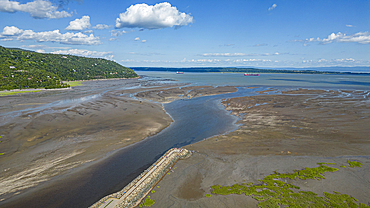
{"x": 194, "y": 120}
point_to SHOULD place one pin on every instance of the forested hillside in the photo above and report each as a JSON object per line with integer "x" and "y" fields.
{"x": 20, "y": 69}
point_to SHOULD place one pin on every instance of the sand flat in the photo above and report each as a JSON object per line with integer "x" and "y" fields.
{"x": 283, "y": 133}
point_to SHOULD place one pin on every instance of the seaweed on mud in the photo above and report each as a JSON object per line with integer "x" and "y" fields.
{"x": 272, "y": 192}
{"x": 353, "y": 164}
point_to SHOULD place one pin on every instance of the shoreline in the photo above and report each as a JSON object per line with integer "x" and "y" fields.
{"x": 258, "y": 148}
{"x": 210, "y": 144}
{"x": 78, "y": 156}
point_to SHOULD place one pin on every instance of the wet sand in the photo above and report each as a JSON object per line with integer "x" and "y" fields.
{"x": 48, "y": 134}
{"x": 283, "y": 132}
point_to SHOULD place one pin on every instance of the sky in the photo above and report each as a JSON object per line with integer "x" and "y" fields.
{"x": 193, "y": 33}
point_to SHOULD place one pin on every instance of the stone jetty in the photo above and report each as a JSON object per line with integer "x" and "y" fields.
{"x": 134, "y": 192}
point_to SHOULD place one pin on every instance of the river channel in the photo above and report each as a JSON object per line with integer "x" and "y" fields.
{"x": 194, "y": 120}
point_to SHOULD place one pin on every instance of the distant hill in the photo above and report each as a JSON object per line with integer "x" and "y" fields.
{"x": 240, "y": 70}
{"x": 22, "y": 69}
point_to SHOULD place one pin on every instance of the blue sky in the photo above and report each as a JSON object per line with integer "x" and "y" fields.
{"x": 194, "y": 33}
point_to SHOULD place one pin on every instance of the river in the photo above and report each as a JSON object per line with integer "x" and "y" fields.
{"x": 194, "y": 120}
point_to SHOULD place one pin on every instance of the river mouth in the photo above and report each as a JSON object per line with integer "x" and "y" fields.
{"x": 194, "y": 120}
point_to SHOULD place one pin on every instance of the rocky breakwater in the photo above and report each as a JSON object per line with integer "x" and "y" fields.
{"x": 134, "y": 192}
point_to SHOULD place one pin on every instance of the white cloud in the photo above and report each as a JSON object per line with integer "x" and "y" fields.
{"x": 272, "y": 7}
{"x": 161, "y": 15}
{"x": 115, "y": 33}
{"x": 143, "y": 41}
{"x": 79, "y": 24}
{"x": 12, "y": 30}
{"x": 83, "y": 52}
{"x": 237, "y": 54}
{"x": 40, "y": 51}
{"x": 360, "y": 37}
{"x": 13, "y": 33}
{"x": 137, "y": 39}
{"x": 349, "y": 26}
{"x": 38, "y": 9}
{"x": 88, "y": 31}
{"x": 102, "y": 26}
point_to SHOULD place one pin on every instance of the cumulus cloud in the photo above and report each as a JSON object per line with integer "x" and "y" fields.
{"x": 88, "y": 31}
{"x": 143, "y": 41}
{"x": 14, "y": 33}
{"x": 272, "y": 7}
{"x": 79, "y": 24}
{"x": 38, "y": 9}
{"x": 82, "y": 52}
{"x": 161, "y": 15}
{"x": 115, "y": 33}
{"x": 137, "y": 39}
{"x": 102, "y": 26}
{"x": 360, "y": 37}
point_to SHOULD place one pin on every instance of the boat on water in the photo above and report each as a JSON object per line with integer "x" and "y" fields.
{"x": 251, "y": 74}
{"x": 179, "y": 72}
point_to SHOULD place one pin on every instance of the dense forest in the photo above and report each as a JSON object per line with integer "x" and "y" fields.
{"x": 21, "y": 69}
{"x": 234, "y": 69}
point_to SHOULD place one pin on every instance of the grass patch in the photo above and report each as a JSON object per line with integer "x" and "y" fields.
{"x": 74, "y": 83}
{"x": 353, "y": 164}
{"x": 152, "y": 191}
{"x": 208, "y": 195}
{"x": 343, "y": 166}
{"x": 7, "y": 93}
{"x": 273, "y": 192}
{"x": 1, "y": 153}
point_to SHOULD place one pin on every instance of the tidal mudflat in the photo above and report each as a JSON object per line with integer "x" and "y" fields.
{"x": 56, "y": 136}
{"x": 284, "y": 131}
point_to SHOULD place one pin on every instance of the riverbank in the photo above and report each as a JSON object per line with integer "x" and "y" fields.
{"x": 279, "y": 132}
{"x": 53, "y": 134}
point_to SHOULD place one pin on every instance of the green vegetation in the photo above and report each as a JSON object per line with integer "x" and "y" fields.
{"x": 273, "y": 192}
{"x": 238, "y": 70}
{"x": 148, "y": 202}
{"x": 20, "y": 69}
{"x": 353, "y": 164}
{"x": 7, "y": 93}
{"x": 208, "y": 195}
{"x": 1, "y": 153}
{"x": 152, "y": 191}
{"x": 74, "y": 83}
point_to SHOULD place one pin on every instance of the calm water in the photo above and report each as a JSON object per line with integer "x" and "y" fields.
{"x": 195, "y": 120}
{"x": 281, "y": 80}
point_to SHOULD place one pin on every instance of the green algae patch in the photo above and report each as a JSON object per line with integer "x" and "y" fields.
{"x": 343, "y": 166}
{"x": 1, "y": 153}
{"x": 208, "y": 195}
{"x": 152, "y": 191}
{"x": 148, "y": 202}
{"x": 273, "y": 192}
{"x": 353, "y": 164}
